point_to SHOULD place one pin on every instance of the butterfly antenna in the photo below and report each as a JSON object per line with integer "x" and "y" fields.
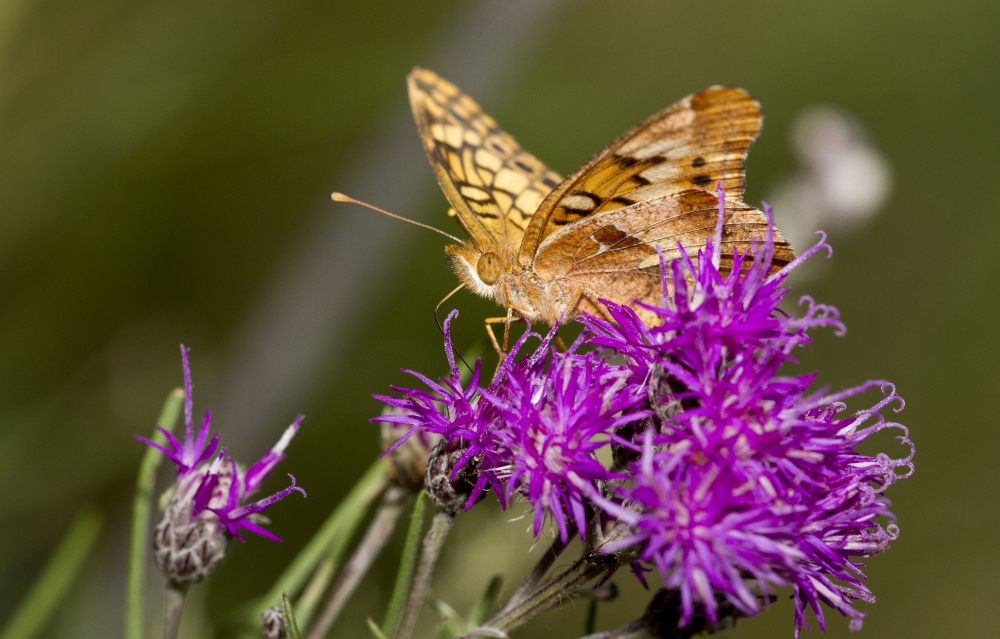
{"x": 336, "y": 196}
{"x": 437, "y": 321}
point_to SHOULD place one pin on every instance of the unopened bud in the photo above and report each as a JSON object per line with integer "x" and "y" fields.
{"x": 272, "y": 623}
{"x": 662, "y": 390}
{"x": 187, "y": 547}
{"x": 450, "y": 490}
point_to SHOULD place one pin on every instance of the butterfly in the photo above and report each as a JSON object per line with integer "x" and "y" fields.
{"x": 547, "y": 248}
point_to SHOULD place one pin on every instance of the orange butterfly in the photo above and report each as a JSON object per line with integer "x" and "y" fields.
{"x": 546, "y": 248}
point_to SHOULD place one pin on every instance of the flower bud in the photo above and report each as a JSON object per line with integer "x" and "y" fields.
{"x": 190, "y": 541}
{"x": 449, "y": 489}
{"x": 662, "y": 391}
{"x": 272, "y": 623}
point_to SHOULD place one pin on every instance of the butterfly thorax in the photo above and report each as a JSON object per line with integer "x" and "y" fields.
{"x": 494, "y": 273}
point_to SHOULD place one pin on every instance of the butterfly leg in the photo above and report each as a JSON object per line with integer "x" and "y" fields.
{"x": 489, "y": 321}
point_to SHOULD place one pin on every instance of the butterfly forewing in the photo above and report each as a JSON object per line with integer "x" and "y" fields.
{"x": 493, "y": 185}
{"x": 694, "y": 144}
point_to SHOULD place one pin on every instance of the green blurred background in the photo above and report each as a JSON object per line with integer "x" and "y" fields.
{"x": 165, "y": 168}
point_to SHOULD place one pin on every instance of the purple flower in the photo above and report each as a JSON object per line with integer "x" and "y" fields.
{"x": 534, "y": 430}
{"x": 209, "y": 502}
{"x": 454, "y": 411}
{"x": 558, "y": 409}
{"x": 745, "y": 475}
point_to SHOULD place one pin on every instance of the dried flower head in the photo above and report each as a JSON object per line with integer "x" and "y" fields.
{"x": 208, "y": 504}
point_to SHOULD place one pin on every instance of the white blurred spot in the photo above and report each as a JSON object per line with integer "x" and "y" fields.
{"x": 844, "y": 179}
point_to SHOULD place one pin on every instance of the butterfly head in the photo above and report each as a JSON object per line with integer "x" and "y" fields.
{"x": 481, "y": 271}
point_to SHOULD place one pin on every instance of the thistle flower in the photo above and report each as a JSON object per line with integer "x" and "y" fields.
{"x": 208, "y": 504}
{"x": 744, "y": 474}
{"x": 455, "y": 412}
{"x": 557, "y": 410}
{"x": 534, "y": 430}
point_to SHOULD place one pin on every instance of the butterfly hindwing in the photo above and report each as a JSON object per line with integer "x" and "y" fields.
{"x": 613, "y": 255}
{"x": 493, "y": 185}
{"x": 692, "y": 145}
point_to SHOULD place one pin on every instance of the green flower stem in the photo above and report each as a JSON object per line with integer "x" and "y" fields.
{"x": 538, "y": 572}
{"x": 433, "y": 543}
{"x": 337, "y": 529}
{"x": 30, "y": 617}
{"x": 313, "y": 592}
{"x": 557, "y": 590}
{"x": 375, "y": 539}
{"x": 138, "y": 551}
{"x": 407, "y": 565}
{"x": 173, "y": 608}
{"x": 638, "y": 629}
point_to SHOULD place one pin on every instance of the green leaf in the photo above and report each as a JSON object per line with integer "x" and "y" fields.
{"x": 138, "y": 548}
{"x": 50, "y": 588}
{"x": 407, "y": 565}
{"x": 450, "y": 619}
{"x": 288, "y": 618}
{"x": 376, "y": 631}
{"x": 482, "y": 608}
{"x": 333, "y": 535}
{"x": 591, "y": 620}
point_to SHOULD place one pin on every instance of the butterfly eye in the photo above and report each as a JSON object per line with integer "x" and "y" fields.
{"x": 488, "y": 268}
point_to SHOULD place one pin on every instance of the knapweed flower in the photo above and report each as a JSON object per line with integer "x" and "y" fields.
{"x": 453, "y": 411}
{"x": 533, "y": 431}
{"x": 208, "y": 504}
{"x": 557, "y": 410}
{"x": 745, "y": 475}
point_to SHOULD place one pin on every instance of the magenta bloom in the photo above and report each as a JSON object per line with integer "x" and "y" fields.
{"x": 220, "y": 488}
{"x": 745, "y": 475}
{"x": 534, "y": 430}
{"x": 455, "y": 412}
{"x": 558, "y": 409}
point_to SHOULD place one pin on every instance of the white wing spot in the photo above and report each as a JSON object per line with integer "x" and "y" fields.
{"x": 529, "y": 200}
{"x": 487, "y": 160}
{"x": 510, "y": 181}
{"x": 473, "y": 193}
{"x": 579, "y": 202}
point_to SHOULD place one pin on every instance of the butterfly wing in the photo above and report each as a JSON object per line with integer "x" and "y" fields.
{"x": 493, "y": 185}
{"x": 613, "y": 255}
{"x": 693, "y": 144}
{"x": 655, "y": 185}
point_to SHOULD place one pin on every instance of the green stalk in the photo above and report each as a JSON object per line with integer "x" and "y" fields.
{"x": 554, "y": 592}
{"x": 433, "y": 543}
{"x": 407, "y": 565}
{"x": 379, "y": 532}
{"x": 173, "y": 609}
{"x": 337, "y": 529}
{"x": 47, "y": 592}
{"x": 141, "y": 506}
